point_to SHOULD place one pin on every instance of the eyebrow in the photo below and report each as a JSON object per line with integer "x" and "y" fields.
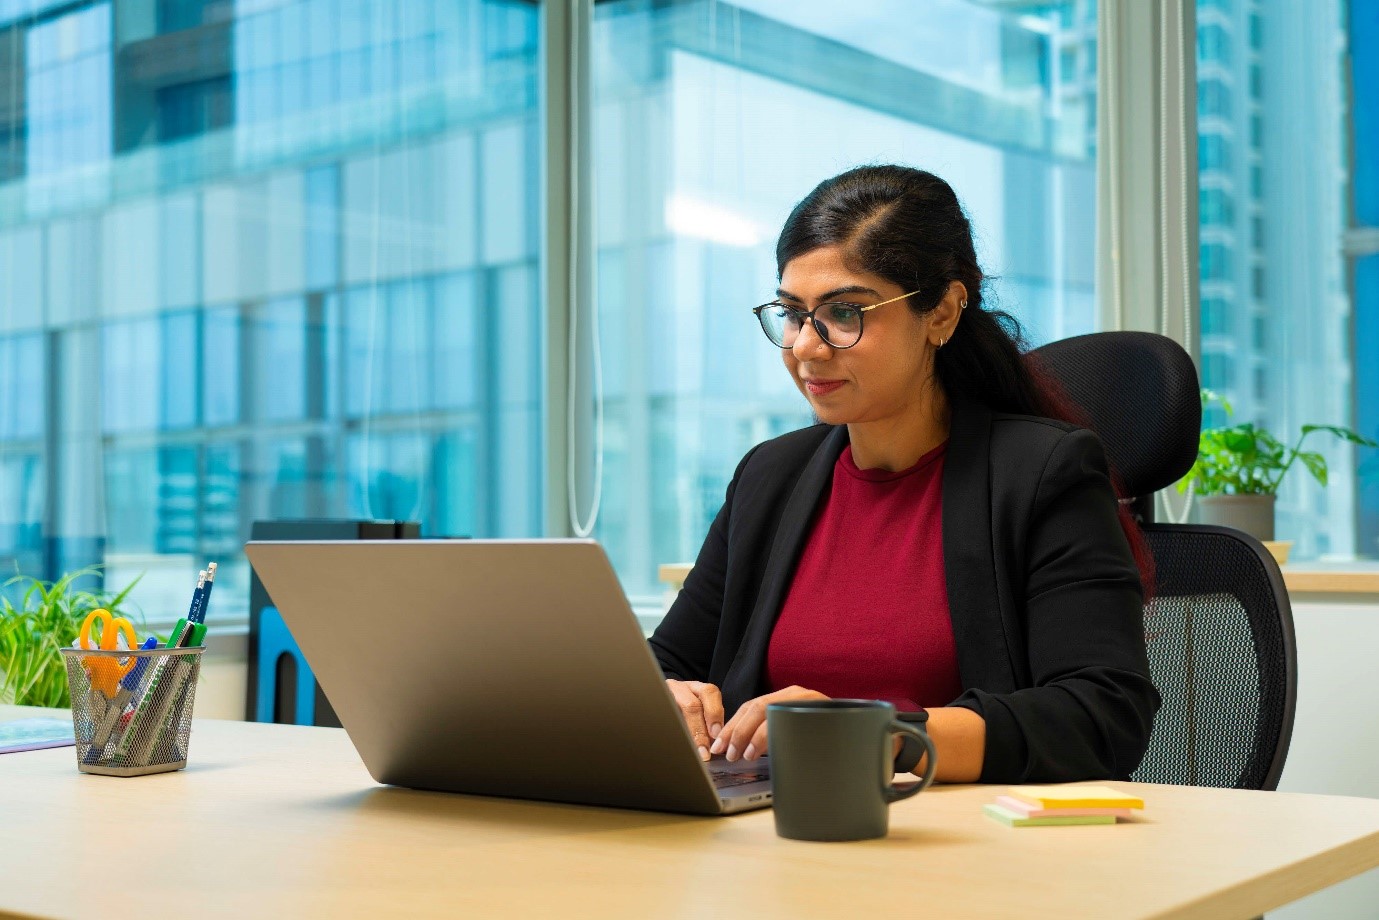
{"x": 836, "y": 292}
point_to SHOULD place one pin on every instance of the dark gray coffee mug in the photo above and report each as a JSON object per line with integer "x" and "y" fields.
{"x": 831, "y": 767}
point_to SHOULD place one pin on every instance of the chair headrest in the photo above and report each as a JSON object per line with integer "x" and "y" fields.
{"x": 1139, "y": 392}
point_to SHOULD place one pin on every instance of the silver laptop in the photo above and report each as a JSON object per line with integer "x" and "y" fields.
{"x": 496, "y": 667}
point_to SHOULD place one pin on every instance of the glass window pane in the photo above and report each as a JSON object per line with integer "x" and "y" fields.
{"x": 1279, "y": 286}
{"x": 131, "y": 363}
{"x": 212, "y": 240}
{"x": 457, "y": 374}
{"x": 713, "y": 120}
{"x": 22, "y": 484}
{"x": 132, "y": 488}
{"x": 22, "y": 396}
{"x": 277, "y": 363}
{"x": 179, "y": 369}
{"x": 220, "y": 349}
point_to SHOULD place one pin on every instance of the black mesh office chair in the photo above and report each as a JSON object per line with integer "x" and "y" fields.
{"x": 1219, "y": 626}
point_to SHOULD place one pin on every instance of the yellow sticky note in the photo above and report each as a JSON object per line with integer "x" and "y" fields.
{"x": 1079, "y": 795}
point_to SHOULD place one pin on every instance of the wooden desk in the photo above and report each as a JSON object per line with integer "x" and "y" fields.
{"x": 284, "y": 821}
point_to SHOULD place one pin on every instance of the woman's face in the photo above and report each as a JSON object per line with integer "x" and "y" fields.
{"x": 886, "y": 374}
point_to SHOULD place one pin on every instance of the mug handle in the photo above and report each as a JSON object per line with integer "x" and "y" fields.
{"x": 894, "y": 793}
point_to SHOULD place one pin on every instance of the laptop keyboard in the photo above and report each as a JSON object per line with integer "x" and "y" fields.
{"x": 723, "y": 779}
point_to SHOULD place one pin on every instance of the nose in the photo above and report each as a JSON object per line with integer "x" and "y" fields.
{"x": 809, "y": 345}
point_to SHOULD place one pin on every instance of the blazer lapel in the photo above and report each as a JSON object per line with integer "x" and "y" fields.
{"x": 969, "y": 565}
{"x": 744, "y": 678}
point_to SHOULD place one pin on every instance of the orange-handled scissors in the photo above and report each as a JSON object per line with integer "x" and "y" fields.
{"x": 105, "y": 672}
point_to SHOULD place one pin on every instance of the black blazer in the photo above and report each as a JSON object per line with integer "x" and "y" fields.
{"x": 1043, "y": 591}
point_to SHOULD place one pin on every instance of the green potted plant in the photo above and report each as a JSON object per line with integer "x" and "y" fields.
{"x": 1240, "y": 467}
{"x": 46, "y": 617}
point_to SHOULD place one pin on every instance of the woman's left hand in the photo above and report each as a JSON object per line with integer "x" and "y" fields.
{"x": 745, "y": 733}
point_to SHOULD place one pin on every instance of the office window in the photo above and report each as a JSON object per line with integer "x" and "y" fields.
{"x": 1217, "y": 367}
{"x": 23, "y": 476}
{"x": 1217, "y": 262}
{"x": 67, "y": 133}
{"x": 1215, "y": 316}
{"x": 1213, "y": 152}
{"x": 1213, "y": 45}
{"x": 22, "y": 374}
{"x": 1293, "y": 359}
{"x": 285, "y": 256}
{"x": 1217, "y": 207}
{"x": 189, "y": 109}
{"x": 714, "y": 119}
{"x": 1213, "y": 99}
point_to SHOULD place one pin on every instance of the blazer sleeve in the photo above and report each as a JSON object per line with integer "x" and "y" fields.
{"x": 684, "y": 641}
{"x": 1090, "y": 710}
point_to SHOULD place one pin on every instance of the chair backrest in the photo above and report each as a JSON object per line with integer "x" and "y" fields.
{"x": 1139, "y": 393}
{"x": 1219, "y": 630}
{"x": 1218, "y": 625}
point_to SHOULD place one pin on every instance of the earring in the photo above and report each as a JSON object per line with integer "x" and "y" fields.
{"x": 963, "y": 304}
{"x": 942, "y": 341}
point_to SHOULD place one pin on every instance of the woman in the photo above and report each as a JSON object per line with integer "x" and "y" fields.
{"x": 945, "y": 539}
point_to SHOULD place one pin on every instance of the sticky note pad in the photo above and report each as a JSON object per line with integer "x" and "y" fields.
{"x": 1014, "y": 819}
{"x": 1075, "y": 796}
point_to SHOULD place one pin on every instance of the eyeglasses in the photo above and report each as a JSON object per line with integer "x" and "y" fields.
{"x": 838, "y": 324}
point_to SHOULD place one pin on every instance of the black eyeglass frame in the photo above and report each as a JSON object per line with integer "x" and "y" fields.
{"x": 819, "y": 327}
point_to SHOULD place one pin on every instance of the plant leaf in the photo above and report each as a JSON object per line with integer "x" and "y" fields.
{"x": 1345, "y": 434}
{"x": 1315, "y": 463}
{"x": 1211, "y": 396}
{"x": 1238, "y": 441}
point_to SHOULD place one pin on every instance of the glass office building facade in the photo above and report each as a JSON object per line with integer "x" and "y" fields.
{"x": 1287, "y": 97}
{"x": 281, "y": 258}
{"x": 263, "y": 259}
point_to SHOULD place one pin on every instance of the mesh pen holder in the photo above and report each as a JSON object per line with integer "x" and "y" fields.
{"x": 132, "y": 710}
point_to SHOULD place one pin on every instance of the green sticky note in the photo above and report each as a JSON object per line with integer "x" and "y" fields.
{"x": 1006, "y": 816}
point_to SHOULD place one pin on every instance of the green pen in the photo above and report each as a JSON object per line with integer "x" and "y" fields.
{"x": 179, "y": 632}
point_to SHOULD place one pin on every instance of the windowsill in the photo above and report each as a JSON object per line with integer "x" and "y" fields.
{"x": 1354, "y": 577}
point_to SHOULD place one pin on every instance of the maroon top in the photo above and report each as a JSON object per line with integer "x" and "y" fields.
{"x": 866, "y": 615}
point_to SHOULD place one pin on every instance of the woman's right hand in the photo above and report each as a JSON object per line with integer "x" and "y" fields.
{"x": 701, "y": 706}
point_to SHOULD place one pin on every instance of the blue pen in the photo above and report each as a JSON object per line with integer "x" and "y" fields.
{"x": 198, "y": 614}
{"x": 128, "y": 685}
{"x": 198, "y": 597}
